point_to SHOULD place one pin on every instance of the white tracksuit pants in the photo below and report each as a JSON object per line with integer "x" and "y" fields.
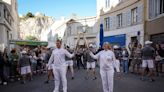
{"x": 117, "y": 65}
{"x": 60, "y": 74}
{"x": 107, "y": 80}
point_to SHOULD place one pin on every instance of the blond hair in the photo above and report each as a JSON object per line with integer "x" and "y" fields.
{"x": 107, "y": 43}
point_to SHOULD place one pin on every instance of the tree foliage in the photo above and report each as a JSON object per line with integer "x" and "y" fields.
{"x": 29, "y": 15}
{"x": 31, "y": 38}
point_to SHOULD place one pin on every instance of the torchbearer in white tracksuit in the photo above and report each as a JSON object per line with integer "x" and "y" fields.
{"x": 107, "y": 64}
{"x": 59, "y": 69}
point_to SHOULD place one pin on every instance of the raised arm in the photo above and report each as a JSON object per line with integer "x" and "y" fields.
{"x": 86, "y": 43}
{"x": 69, "y": 54}
{"x": 94, "y": 56}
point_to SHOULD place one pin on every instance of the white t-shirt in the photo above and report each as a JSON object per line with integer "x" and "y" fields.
{"x": 107, "y": 59}
{"x": 58, "y": 57}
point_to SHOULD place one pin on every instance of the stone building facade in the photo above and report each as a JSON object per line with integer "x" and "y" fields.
{"x": 9, "y": 22}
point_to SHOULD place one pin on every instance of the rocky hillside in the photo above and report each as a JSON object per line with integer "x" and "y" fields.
{"x": 34, "y": 25}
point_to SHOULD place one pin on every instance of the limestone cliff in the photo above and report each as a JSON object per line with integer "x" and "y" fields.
{"x": 34, "y": 26}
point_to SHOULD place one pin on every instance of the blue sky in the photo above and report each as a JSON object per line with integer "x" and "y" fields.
{"x": 58, "y": 8}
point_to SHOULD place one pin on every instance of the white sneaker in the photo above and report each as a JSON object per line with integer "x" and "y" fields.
{"x": 4, "y": 83}
{"x": 56, "y": 91}
{"x": 18, "y": 79}
{"x": 64, "y": 90}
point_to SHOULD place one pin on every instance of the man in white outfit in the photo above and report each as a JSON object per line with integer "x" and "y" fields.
{"x": 58, "y": 60}
{"x": 107, "y": 64}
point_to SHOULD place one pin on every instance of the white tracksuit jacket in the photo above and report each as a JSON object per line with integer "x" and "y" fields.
{"x": 107, "y": 64}
{"x": 59, "y": 69}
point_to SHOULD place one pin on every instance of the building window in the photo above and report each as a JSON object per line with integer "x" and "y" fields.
{"x": 134, "y": 15}
{"x": 7, "y": 15}
{"x": 107, "y": 3}
{"x": 120, "y": 1}
{"x": 161, "y": 6}
{"x": 107, "y": 23}
{"x": 0, "y": 13}
{"x": 5, "y": 12}
{"x": 15, "y": 6}
{"x": 119, "y": 20}
{"x": 11, "y": 36}
{"x": 156, "y": 8}
{"x": 69, "y": 31}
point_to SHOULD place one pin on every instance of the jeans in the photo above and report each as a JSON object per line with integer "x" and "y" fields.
{"x": 34, "y": 67}
{"x": 13, "y": 71}
{"x": 79, "y": 61}
{"x": 3, "y": 77}
{"x": 125, "y": 66}
{"x": 6, "y": 72}
{"x": 1, "y": 74}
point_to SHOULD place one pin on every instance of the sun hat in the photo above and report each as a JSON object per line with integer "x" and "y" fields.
{"x": 148, "y": 42}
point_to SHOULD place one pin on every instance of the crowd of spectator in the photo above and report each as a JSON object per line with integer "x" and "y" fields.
{"x": 136, "y": 59}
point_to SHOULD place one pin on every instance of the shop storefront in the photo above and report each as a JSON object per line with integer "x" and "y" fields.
{"x": 155, "y": 30}
{"x": 29, "y": 43}
{"x": 116, "y": 39}
{"x": 157, "y": 38}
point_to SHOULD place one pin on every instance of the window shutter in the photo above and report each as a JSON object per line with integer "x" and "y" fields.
{"x": 150, "y": 9}
{"x": 124, "y": 19}
{"x": 128, "y": 17}
{"x": 104, "y": 24}
{"x": 140, "y": 13}
{"x": 114, "y": 22}
{"x": 111, "y": 23}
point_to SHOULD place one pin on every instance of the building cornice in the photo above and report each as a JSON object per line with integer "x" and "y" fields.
{"x": 121, "y": 6}
{"x": 7, "y": 7}
{"x": 10, "y": 29}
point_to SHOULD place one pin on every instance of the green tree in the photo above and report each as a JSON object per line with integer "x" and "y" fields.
{"x": 29, "y": 15}
{"x": 31, "y": 38}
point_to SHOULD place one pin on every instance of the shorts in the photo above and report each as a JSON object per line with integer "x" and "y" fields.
{"x": 69, "y": 63}
{"x": 50, "y": 67}
{"x": 136, "y": 62}
{"x": 91, "y": 65}
{"x": 148, "y": 63}
{"x": 162, "y": 61}
{"x": 25, "y": 70}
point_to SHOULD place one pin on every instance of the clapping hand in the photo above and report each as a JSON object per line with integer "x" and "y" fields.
{"x": 88, "y": 50}
{"x": 75, "y": 51}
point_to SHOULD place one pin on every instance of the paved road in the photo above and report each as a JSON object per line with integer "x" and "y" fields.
{"x": 128, "y": 83}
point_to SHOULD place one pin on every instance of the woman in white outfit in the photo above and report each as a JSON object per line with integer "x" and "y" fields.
{"x": 107, "y": 64}
{"x": 59, "y": 65}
